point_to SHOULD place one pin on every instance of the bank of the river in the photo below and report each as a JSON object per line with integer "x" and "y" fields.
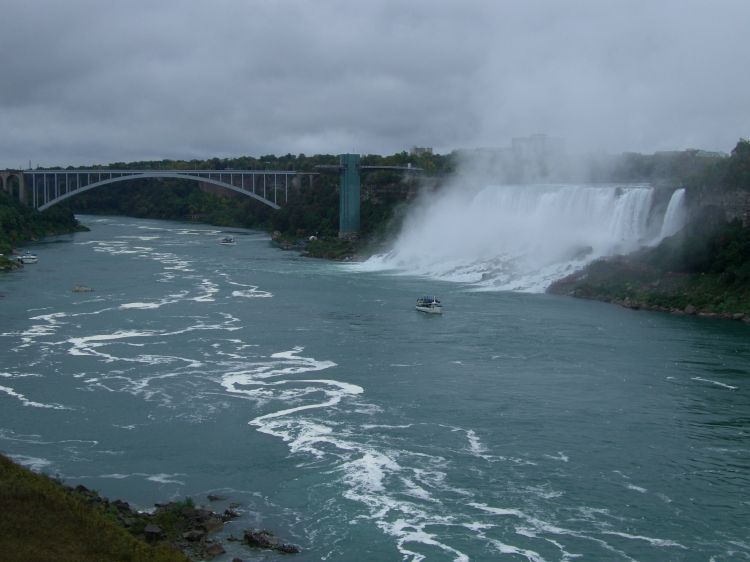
{"x": 9, "y": 264}
{"x": 20, "y": 224}
{"x": 44, "y": 519}
{"x": 704, "y": 271}
{"x": 41, "y": 519}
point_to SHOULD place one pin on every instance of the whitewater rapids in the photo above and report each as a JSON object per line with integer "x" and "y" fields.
{"x": 524, "y": 237}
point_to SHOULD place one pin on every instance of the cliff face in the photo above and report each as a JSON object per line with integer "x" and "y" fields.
{"x": 735, "y": 204}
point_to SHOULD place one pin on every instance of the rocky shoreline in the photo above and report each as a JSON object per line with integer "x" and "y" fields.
{"x": 182, "y": 525}
{"x": 626, "y": 282}
{"x": 689, "y": 310}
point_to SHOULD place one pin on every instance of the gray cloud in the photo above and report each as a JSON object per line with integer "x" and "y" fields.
{"x": 94, "y": 82}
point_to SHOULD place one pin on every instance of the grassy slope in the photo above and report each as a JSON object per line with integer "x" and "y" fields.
{"x": 41, "y": 520}
{"x": 706, "y": 268}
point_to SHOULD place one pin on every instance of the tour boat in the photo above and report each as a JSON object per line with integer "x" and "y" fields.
{"x": 227, "y": 240}
{"x": 28, "y": 257}
{"x": 430, "y": 305}
{"x": 82, "y": 289}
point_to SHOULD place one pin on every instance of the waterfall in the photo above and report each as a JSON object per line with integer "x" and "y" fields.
{"x": 674, "y": 218}
{"x": 518, "y": 238}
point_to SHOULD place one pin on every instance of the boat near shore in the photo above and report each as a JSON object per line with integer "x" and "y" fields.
{"x": 28, "y": 257}
{"x": 227, "y": 241}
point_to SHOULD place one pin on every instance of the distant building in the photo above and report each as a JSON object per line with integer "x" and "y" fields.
{"x": 419, "y": 150}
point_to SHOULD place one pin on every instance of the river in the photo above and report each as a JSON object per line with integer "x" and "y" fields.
{"x": 513, "y": 427}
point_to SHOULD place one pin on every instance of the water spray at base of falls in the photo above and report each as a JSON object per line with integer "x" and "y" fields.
{"x": 524, "y": 237}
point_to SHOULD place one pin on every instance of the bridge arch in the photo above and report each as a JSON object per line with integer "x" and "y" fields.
{"x": 45, "y": 195}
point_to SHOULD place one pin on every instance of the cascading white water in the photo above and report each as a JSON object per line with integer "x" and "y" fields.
{"x": 674, "y": 218}
{"x": 519, "y": 238}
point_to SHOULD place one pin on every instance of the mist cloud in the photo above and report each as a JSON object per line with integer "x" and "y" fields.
{"x": 91, "y": 82}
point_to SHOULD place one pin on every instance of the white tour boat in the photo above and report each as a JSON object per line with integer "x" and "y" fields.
{"x": 28, "y": 257}
{"x": 430, "y": 305}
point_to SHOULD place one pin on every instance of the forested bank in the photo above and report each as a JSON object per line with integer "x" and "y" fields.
{"x": 20, "y": 223}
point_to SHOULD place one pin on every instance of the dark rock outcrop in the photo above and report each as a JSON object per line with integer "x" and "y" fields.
{"x": 267, "y": 540}
{"x": 183, "y": 525}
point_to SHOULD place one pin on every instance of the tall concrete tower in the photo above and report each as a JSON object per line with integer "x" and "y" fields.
{"x": 349, "y": 195}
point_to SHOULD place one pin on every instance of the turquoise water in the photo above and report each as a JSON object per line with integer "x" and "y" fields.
{"x": 512, "y": 427}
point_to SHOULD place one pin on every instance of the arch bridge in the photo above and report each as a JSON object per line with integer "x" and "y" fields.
{"x": 43, "y": 188}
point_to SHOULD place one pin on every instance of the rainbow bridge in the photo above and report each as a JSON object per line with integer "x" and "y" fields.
{"x": 43, "y": 188}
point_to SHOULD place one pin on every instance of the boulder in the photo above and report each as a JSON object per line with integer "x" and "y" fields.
{"x": 194, "y": 535}
{"x": 120, "y": 505}
{"x": 214, "y": 550}
{"x": 261, "y": 539}
{"x": 288, "y": 548}
{"x": 230, "y": 514}
{"x": 152, "y": 532}
{"x": 266, "y": 539}
{"x": 212, "y": 524}
{"x": 690, "y": 309}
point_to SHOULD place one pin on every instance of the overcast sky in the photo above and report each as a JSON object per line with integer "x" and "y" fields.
{"x": 88, "y": 82}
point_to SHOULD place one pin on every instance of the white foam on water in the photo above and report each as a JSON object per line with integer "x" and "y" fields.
{"x": 26, "y": 402}
{"x": 141, "y": 305}
{"x": 534, "y": 527}
{"x": 50, "y": 324}
{"x": 141, "y": 238}
{"x": 169, "y": 299}
{"x": 503, "y": 548}
{"x": 7, "y": 375}
{"x": 717, "y": 383}
{"x": 166, "y": 478}
{"x": 518, "y": 237}
{"x": 209, "y": 289}
{"x": 410, "y": 533}
{"x": 32, "y": 463}
{"x": 252, "y": 293}
{"x": 543, "y": 492}
{"x": 248, "y": 291}
{"x": 170, "y": 261}
{"x": 36, "y": 439}
{"x": 395, "y": 496}
{"x": 650, "y": 540}
{"x": 635, "y": 488}
{"x": 475, "y": 444}
{"x": 160, "y": 478}
{"x": 87, "y": 345}
{"x": 386, "y": 426}
{"x": 562, "y": 457}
